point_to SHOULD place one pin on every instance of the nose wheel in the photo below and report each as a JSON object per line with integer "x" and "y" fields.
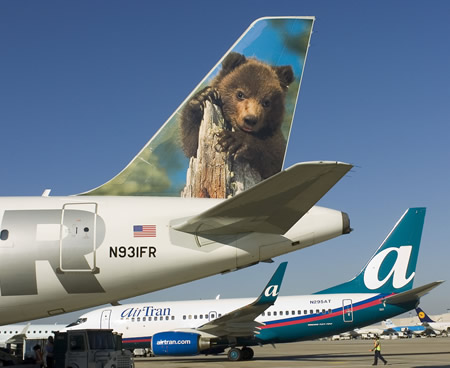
{"x": 236, "y": 354}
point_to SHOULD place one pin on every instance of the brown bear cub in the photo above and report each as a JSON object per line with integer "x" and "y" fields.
{"x": 252, "y": 96}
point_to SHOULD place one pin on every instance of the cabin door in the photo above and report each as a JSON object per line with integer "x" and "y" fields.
{"x": 347, "y": 310}
{"x": 105, "y": 319}
{"x": 78, "y": 237}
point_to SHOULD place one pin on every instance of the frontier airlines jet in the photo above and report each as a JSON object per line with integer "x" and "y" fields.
{"x": 206, "y": 194}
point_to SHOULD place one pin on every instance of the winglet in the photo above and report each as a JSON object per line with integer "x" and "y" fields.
{"x": 241, "y": 321}
{"x": 270, "y": 292}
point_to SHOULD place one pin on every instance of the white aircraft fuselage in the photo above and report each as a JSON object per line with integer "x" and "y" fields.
{"x": 17, "y": 333}
{"x": 60, "y": 254}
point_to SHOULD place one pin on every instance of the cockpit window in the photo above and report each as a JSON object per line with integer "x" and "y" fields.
{"x": 79, "y": 321}
{"x": 4, "y": 235}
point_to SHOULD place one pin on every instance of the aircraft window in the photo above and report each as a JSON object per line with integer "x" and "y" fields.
{"x": 329, "y": 310}
{"x": 220, "y": 314}
{"x": 317, "y": 310}
{"x": 4, "y": 235}
{"x": 281, "y": 313}
{"x": 132, "y": 319}
{"x": 173, "y": 318}
{"x": 184, "y": 317}
{"x": 269, "y": 313}
{"x": 190, "y": 317}
{"x": 323, "y": 310}
{"x": 167, "y": 318}
{"x": 293, "y": 313}
{"x": 138, "y": 319}
{"x": 195, "y": 316}
{"x": 263, "y": 314}
{"x": 274, "y": 313}
{"x": 144, "y": 319}
{"x": 311, "y": 311}
{"x": 287, "y": 313}
{"x": 86, "y": 229}
{"x": 305, "y": 312}
{"x": 161, "y": 318}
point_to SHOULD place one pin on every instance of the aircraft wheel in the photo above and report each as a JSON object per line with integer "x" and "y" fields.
{"x": 234, "y": 354}
{"x": 247, "y": 353}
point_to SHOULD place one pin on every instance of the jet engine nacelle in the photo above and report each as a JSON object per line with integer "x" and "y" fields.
{"x": 179, "y": 343}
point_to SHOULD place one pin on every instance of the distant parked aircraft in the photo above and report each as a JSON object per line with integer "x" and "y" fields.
{"x": 436, "y": 327}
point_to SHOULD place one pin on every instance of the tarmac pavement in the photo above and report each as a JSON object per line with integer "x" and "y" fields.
{"x": 404, "y": 353}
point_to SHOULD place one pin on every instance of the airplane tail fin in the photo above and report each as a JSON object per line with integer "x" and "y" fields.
{"x": 253, "y": 90}
{"x": 423, "y": 316}
{"x": 392, "y": 268}
{"x": 388, "y": 324}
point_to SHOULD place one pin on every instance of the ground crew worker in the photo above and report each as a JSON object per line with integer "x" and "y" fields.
{"x": 377, "y": 349}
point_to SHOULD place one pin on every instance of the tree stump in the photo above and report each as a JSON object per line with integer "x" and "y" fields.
{"x": 215, "y": 174}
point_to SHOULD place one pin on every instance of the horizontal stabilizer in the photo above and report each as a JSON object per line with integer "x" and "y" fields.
{"x": 272, "y": 206}
{"x": 413, "y": 294}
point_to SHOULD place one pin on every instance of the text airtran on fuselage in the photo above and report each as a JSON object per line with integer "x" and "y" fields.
{"x": 147, "y": 311}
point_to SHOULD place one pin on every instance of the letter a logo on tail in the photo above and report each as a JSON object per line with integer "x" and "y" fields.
{"x": 272, "y": 290}
{"x": 393, "y": 266}
{"x": 399, "y": 269}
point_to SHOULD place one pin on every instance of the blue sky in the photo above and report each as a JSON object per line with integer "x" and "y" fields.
{"x": 85, "y": 84}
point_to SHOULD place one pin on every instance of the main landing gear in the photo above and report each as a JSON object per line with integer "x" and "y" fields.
{"x": 235, "y": 354}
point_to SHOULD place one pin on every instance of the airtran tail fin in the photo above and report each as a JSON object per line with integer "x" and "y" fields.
{"x": 423, "y": 316}
{"x": 392, "y": 268}
{"x": 240, "y": 114}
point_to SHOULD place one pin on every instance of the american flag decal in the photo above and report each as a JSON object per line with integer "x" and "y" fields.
{"x": 144, "y": 231}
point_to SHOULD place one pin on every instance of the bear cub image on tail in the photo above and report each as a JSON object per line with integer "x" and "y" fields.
{"x": 251, "y": 95}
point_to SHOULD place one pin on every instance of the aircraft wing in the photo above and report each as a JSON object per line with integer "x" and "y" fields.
{"x": 18, "y": 338}
{"x": 411, "y": 295}
{"x": 272, "y": 206}
{"x": 241, "y": 322}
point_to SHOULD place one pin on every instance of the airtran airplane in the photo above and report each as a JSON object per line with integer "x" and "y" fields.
{"x": 206, "y": 194}
{"x": 382, "y": 289}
